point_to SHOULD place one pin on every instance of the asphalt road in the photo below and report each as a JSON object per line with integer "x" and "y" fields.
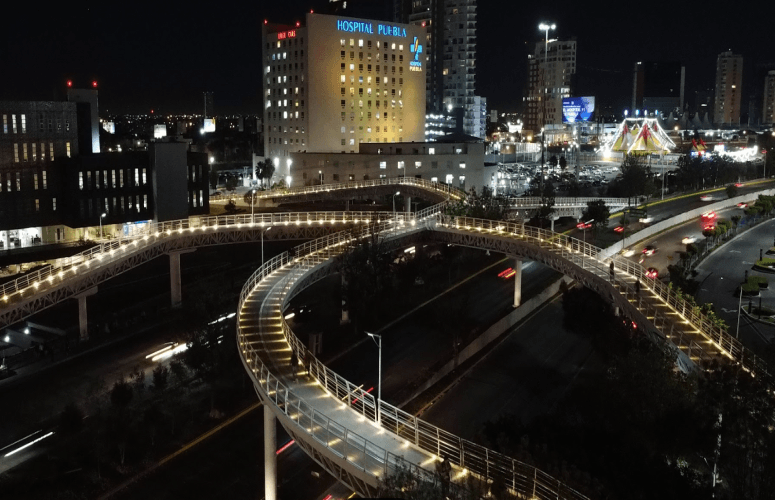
{"x": 525, "y": 375}
{"x": 724, "y": 269}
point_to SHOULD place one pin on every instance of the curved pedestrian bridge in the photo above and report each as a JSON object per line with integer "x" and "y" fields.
{"x": 359, "y": 439}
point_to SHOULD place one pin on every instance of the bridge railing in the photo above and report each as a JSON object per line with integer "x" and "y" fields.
{"x": 520, "y": 477}
{"x": 713, "y": 333}
{"x": 98, "y": 253}
{"x": 439, "y": 187}
{"x": 564, "y": 201}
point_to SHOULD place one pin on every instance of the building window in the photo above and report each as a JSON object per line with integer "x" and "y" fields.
{"x": 13, "y": 123}
{"x": 37, "y": 204}
{"x": 5, "y": 124}
{"x": 462, "y": 165}
{"x": 15, "y": 153}
{"x": 80, "y": 180}
{"x": 34, "y": 152}
{"x": 54, "y": 204}
{"x": 51, "y": 150}
{"x": 145, "y": 181}
{"x": 417, "y": 164}
{"x": 35, "y": 181}
{"x": 24, "y": 150}
{"x": 18, "y": 181}
{"x": 67, "y": 148}
{"x": 400, "y": 165}
{"x": 383, "y": 164}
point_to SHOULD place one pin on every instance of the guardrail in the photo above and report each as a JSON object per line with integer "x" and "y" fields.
{"x": 571, "y": 247}
{"x": 564, "y": 201}
{"x": 520, "y": 477}
{"x": 97, "y": 253}
{"x": 438, "y": 187}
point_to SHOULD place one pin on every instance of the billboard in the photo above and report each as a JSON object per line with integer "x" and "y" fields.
{"x": 578, "y": 109}
{"x": 209, "y": 125}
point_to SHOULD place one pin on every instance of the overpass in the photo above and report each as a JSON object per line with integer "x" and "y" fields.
{"x": 359, "y": 439}
{"x": 563, "y": 206}
{"x": 355, "y": 437}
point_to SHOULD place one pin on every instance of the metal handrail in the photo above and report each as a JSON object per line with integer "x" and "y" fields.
{"x": 520, "y": 477}
{"x": 442, "y": 188}
{"x": 150, "y": 234}
{"x": 565, "y": 201}
{"x": 588, "y": 253}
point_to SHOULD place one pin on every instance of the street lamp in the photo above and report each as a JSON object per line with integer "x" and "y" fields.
{"x": 394, "y": 208}
{"x": 262, "y": 245}
{"x": 320, "y": 172}
{"x": 378, "y": 340}
{"x": 252, "y": 202}
{"x": 545, "y": 28}
{"x": 101, "y": 216}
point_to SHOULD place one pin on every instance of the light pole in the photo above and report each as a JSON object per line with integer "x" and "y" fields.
{"x": 101, "y": 216}
{"x": 378, "y": 340}
{"x": 320, "y": 172}
{"x": 545, "y": 28}
{"x": 394, "y": 207}
{"x": 252, "y": 202}
{"x": 739, "y": 308}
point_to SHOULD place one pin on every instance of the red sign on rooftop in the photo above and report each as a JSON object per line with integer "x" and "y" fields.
{"x": 286, "y": 34}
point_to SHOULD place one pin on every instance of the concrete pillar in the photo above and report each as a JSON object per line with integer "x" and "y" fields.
{"x": 552, "y": 224}
{"x": 407, "y": 203}
{"x": 270, "y": 455}
{"x": 176, "y": 294}
{"x": 517, "y": 282}
{"x": 83, "y": 321}
{"x": 345, "y": 310}
{"x": 7, "y": 240}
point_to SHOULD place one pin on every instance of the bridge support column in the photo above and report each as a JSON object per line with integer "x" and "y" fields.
{"x": 83, "y": 320}
{"x": 407, "y": 203}
{"x": 345, "y": 310}
{"x": 270, "y": 455}
{"x": 175, "y": 289}
{"x": 517, "y": 283}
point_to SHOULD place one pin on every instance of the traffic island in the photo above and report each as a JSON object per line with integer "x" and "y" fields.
{"x": 765, "y": 265}
{"x": 761, "y": 314}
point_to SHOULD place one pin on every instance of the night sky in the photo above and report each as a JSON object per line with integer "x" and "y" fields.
{"x": 163, "y": 57}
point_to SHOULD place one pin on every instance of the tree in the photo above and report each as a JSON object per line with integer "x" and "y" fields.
{"x": 231, "y": 183}
{"x": 635, "y": 175}
{"x": 213, "y": 175}
{"x": 265, "y": 170}
{"x": 160, "y": 377}
{"x": 731, "y": 191}
{"x": 121, "y": 394}
{"x": 598, "y": 211}
{"x": 563, "y": 163}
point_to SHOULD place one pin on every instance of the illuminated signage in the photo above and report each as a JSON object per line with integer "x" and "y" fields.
{"x": 361, "y": 27}
{"x": 415, "y": 64}
{"x": 578, "y": 109}
{"x": 286, "y": 34}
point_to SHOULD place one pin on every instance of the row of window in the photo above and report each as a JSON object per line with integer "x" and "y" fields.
{"x": 449, "y": 179}
{"x": 360, "y": 103}
{"x": 393, "y": 46}
{"x": 276, "y": 115}
{"x": 286, "y": 91}
{"x": 384, "y": 81}
{"x": 284, "y": 79}
{"x": 286, "y": 42}
{"x": 281, "y": 103}
{"x": 376, "y": 94}
{"x": 343, "y": 67}
{"x": 343, "y": 54}
{"x": 95, "y": 207}
{"x": 284, "y": 55}
{"x": 13, "y": 126}
{"x": 286, "y": 67}
{"x": 280, "y": 140}
{"x": 29, "y": 152}
{"x": 96, "y": 181}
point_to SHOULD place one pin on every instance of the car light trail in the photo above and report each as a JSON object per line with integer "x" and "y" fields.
{"x": 41, "y": 438}
{"x": 285, "y": 446}
{"x": 370, "y": 389}
{"x": 505, "y": 272}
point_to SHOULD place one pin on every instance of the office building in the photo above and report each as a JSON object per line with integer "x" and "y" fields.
{"x": 478, "y": 127}
{"x": 333, "y": 83}
{"x": 729, "y": 83}
{"x": 450, "y": 35}
{"x": 768, "y": 101}
{"x": 658, "y": 87}
{"x": 551, "y": 70}
{"x": 87, "y": 106}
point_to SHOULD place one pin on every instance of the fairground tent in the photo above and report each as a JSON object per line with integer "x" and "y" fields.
{"x": 641, "y": 135}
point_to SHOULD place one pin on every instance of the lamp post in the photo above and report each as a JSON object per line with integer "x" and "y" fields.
{"x": 262, "y": 245}
{"x": 584, "y": 227}
{"x": 252, "y": 202}
{"x": 378, "y": 340}
{"x": 739, "y": 308}
{"x": 101, "y": 216}
{"x": 545, "y": 28}
{"x": 320, "y": 172}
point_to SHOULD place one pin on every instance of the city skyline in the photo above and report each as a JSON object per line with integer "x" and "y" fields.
{"x": 163, "y": 59}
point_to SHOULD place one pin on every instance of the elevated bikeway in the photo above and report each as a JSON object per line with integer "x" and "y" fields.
{"x": 73, "y": 276}
{"x": 346, "y": 444}
{"x": 408, "y": 186}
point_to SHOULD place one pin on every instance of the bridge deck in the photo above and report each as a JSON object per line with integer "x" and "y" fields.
{"x": 349, "y": 433}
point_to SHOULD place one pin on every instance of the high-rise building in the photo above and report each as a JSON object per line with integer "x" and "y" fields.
{"x": 479, "y": 122}
{"x": 729, "y": 83}
{"x": 550, "y": 76}
{"x": 768, "y": 101}
{"x": 450, "y": 36}
{"x": 88, "y": 117}
{"x": 333, "y": 82}
{"x": 658, "y": 86}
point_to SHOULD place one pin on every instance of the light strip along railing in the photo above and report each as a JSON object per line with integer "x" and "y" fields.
{"x": 570, "y": 247}
{"x": 351, "y": 446}
{"x": 560, "y": 201}
{"x": 437, "y": 187}
{"x": 522, "y": 478}
{"x": 96, "y": 255}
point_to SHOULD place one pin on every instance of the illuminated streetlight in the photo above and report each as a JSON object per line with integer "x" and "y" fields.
{"x": 101, "y": 216}
{"x": 378, "y": 340}
{"x": 545, "y": 28}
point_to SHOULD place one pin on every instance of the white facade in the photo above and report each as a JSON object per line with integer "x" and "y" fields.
{"x": 479, "y": 112}
{"x": 457, "y": 164}
{"x": 335, "y": 83}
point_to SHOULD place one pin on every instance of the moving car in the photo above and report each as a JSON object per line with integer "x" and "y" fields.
{"x": 708, "y": 216}
{"x": 650, "y": 250}
{"x": 688, "y": 240}
{"x": 706, "y": 197}
{"x": 652, "y": 273}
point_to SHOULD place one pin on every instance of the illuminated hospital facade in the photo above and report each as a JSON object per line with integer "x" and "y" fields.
{"x": 332, "y": 83}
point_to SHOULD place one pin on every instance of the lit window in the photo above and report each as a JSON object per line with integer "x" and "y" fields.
{"x": 360, "y": 42}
